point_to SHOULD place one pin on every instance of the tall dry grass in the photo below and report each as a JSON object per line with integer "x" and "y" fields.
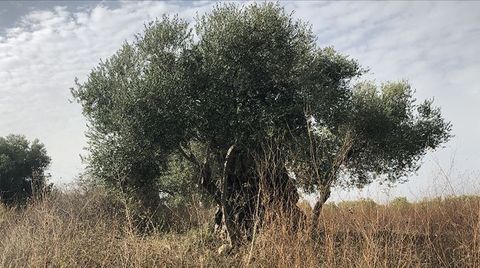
{"x": 433, "y": 233}
{"x": 78, "y": 229}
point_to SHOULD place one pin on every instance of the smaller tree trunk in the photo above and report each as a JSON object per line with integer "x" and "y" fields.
{"x": 149, "y": 209}
{"x": 323, "y": 195}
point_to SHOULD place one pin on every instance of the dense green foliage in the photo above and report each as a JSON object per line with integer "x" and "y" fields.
{"x": 22, "y": 168}
{"x": 244, "y": 76}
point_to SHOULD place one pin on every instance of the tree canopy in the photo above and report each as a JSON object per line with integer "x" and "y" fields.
{"x": 239, "y": 77}
{"x": 22, "y": 168}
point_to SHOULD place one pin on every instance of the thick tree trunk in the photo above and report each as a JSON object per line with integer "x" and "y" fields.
{"x": 240, "y": 189}
{"x": 246, "y": 194}
{"x": 240, "y": 202}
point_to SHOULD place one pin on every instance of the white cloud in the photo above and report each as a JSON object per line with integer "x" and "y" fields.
{"x": 41, "y": 56}
{"x": 433, "y": 45}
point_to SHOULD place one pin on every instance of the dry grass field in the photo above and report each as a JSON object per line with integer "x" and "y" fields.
{"x": 77, "y": 229}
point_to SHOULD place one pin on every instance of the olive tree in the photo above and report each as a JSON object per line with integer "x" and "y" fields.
{"x": 217, "y": 93}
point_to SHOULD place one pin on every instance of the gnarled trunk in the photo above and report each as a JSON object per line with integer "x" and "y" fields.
{"x": 246, "y": 193}
{"x": 239, "y": 194}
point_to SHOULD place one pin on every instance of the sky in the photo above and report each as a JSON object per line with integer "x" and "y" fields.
{"x": 45, "y": 45}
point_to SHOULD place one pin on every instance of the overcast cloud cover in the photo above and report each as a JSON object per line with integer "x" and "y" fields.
{"x": 435, "y": 46}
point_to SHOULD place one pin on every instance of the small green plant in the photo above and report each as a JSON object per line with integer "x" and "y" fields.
{"x": 399, "y": 203}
